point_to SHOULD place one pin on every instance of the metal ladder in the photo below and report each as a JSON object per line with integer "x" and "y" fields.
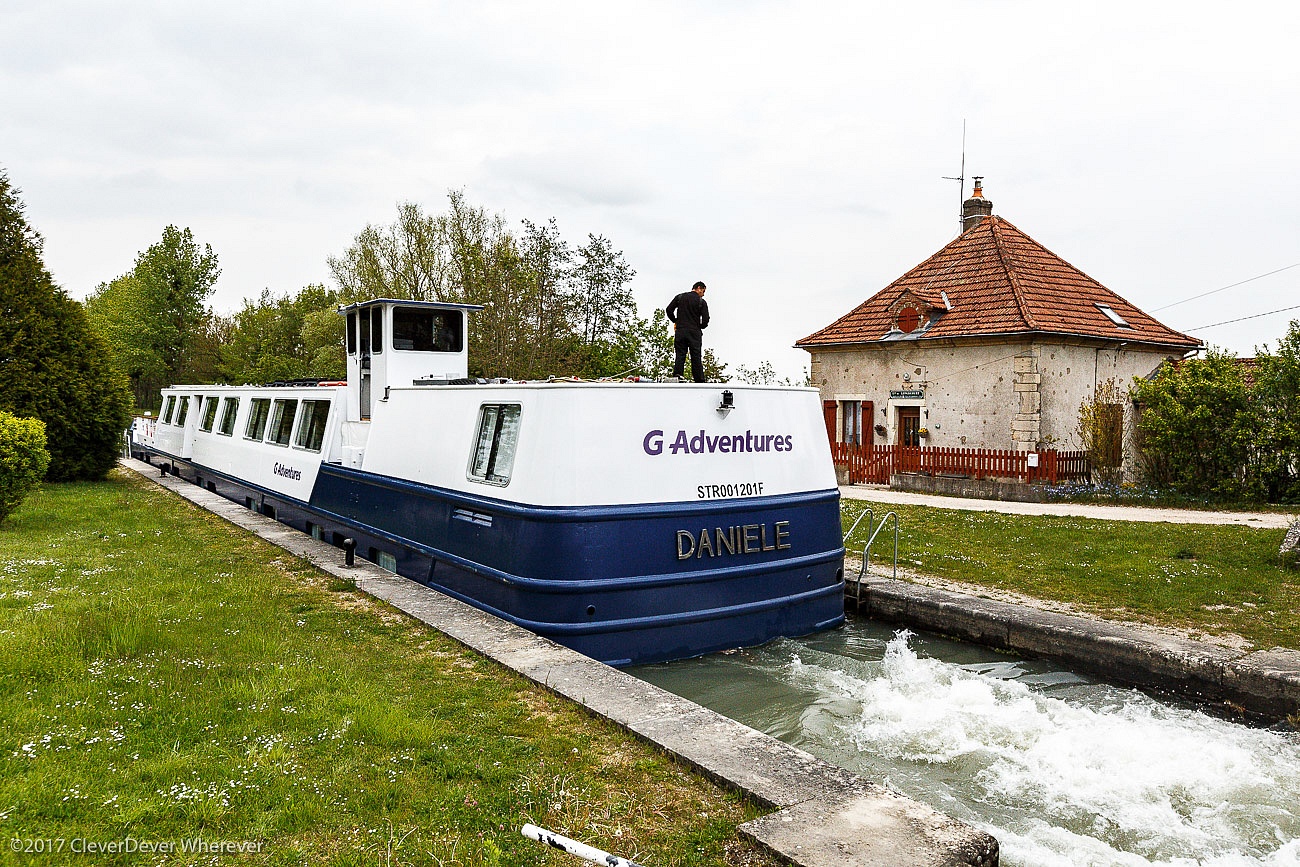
{"x": 873, "y": 530}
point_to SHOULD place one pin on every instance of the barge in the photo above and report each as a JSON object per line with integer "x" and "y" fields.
{"x": 631, "y": 521}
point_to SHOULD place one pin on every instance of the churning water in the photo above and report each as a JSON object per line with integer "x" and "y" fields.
{"x": 1061, "y": 769}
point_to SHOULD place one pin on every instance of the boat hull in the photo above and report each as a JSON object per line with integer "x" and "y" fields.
{"x": 622, "y": 584}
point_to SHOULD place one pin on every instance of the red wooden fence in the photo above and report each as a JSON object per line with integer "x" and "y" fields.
{"x": 875, "y": 464}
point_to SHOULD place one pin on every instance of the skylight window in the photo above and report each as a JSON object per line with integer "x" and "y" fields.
{"x": 1113, "y": 316}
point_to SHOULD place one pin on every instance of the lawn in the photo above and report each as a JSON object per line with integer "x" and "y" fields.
{"x": 1202, "y": 578}
{"x": 166, "y": 677}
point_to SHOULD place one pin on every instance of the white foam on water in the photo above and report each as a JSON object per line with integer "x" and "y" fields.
{"x": 1114, "y": 779}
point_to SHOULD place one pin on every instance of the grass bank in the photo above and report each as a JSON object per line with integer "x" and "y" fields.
{"x": 165, "y": 677}
{"x": 1208, "y": 579}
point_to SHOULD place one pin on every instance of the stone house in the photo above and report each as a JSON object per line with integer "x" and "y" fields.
{"x": 993, "y": 342}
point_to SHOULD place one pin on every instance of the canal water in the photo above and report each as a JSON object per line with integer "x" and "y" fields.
{"x": 1063, "y": 770}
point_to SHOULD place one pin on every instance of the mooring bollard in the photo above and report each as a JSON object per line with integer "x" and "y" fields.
{"x": 349, "y": 552}
{"x": 573, "y": 847}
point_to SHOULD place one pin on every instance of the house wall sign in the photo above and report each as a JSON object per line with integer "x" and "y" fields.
{"x": 907, "y": 393}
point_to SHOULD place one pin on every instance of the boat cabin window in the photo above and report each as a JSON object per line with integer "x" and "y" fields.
{"x": 282, "y": 417}
{"x": 376, "y": 330}
{"x": 166, "y": 414}
{"x": 419, "y": 330}
{"x": 493, "y": 458}
{"x": 311, "y": 430}
{"x": 352, "y": 333}
{"x": 363, "y": 333}
{"x": 257, "y": 417}
{"x": 229, "y": 409}
{"x": 184, "y": 410}
{"x": 209, "y": 413}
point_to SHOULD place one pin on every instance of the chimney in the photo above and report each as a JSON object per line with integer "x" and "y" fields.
{"x": 976, "y": 207}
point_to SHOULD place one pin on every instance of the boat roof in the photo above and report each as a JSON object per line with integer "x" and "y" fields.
{"x": 407, "y": 302}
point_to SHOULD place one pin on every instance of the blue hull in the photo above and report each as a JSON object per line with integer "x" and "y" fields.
{"x": 622, "y": 584}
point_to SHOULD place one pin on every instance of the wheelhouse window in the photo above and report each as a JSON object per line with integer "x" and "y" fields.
{"x": 422, "y": 330}
{"x": 311, "y": 429}
{"x": 209, "y": 413}
{"x": 257, "y": 416}
{"x": 282, "y": 416}
{"x": 493, "y": 458}
{"x": 183, "y": 411}
{"x": 168, "y": 408}
{"x": 352, "y": 333}
{"x": 229, "y": 409}
{"x": 376, "y": 330}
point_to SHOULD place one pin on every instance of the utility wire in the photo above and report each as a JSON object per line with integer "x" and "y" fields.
{"x": 1229, "y": 286}
{"x": 1244, "y": 318}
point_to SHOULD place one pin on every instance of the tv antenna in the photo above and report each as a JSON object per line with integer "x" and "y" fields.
{"x": 961, "y": 179}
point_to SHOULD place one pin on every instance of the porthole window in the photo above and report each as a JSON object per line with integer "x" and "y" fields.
{"x": 908, "y": 319}
{"x": 493, "y": 457}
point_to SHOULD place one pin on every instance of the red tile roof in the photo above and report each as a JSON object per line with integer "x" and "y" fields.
{"x": 998, "y": 281}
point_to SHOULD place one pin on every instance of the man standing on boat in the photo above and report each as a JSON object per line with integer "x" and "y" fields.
{"x": 689, "y": 313}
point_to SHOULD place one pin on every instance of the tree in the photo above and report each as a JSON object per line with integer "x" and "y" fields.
{"x": 53, "y": 366}
{"x": 1199, "y": 429}
{"x": 154, "y": 319}
{"x": 286, "y": 337}
{"x": 765, "y": 374}
{"x": 1276, "y": 396}
{"x": 1101, "y": 429}
{"x": 604, "y": 302}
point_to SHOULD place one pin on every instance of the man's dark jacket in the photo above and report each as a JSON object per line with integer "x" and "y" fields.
{"x": 691, "y": 313}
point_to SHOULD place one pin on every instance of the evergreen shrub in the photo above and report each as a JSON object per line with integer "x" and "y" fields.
{"x": 23, "y": 459}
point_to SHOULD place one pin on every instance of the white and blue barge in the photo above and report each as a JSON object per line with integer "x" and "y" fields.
{"x": 631, "y": 521}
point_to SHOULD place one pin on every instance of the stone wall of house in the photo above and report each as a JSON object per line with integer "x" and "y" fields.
{"x": 1012, "y": 395}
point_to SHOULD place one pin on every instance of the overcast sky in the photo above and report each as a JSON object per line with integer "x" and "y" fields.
{"x": 790, "y": 155}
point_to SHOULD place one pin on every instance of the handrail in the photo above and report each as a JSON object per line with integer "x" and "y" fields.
{"x": 869, "y": 514}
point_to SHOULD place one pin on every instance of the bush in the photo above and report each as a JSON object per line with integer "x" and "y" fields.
{"x": 23, "y": 459}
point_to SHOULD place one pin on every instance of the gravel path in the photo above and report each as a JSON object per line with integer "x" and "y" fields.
{"x": 1265, "y": 520}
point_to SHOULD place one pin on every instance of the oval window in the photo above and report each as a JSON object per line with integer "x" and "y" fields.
{"x": 908, "y": 319}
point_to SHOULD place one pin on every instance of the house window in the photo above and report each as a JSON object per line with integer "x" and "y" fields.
{"x": 420, "y": 330}
{"x": 311, "y": 430}
{"x": 851, "y": 422}
{"x": 1112, "y": 315}
{"x": 257, "y": 417}
{"x": 229, "y": 409}
{"x": 282, "y": 417}
{"x": 493, "y": 457}
{"x": 209, "y": 413}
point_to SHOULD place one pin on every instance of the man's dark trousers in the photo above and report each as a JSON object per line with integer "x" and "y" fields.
{"x": 686, "y": 340}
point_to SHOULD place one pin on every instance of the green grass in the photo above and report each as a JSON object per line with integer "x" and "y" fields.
{"x": 1208, "y": 579}
{"x": 166, "y": 676}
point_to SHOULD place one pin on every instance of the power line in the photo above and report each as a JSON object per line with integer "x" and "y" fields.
{"x": 1244, "y": 318}
{"x": 1229, "y": 286}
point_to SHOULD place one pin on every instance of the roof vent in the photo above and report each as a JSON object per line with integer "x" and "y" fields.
{"x": 976, "y": 207}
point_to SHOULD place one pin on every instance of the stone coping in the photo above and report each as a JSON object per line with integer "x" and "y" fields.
{"x": 1263, "y": 685}
{"x": 823, "y": 815}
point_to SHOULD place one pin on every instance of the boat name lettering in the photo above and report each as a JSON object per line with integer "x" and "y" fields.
{"x": 716, "y": 492}
{"x": 738, "y": 539}
{"x": 287, "y": 472}
{"x": 700, "y": 443}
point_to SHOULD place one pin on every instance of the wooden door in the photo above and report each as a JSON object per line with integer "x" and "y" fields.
{"x": 909, "y": 426}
